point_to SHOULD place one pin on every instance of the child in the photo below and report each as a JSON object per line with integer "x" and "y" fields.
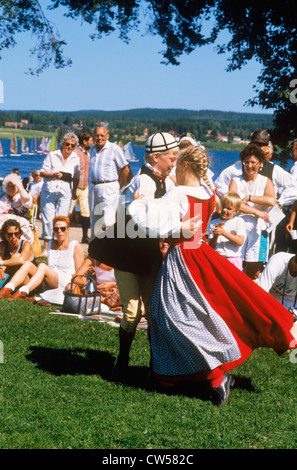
{"x": 227, "y": 233}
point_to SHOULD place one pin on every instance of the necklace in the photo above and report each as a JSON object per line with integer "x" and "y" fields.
{"x": 62, "y": 247}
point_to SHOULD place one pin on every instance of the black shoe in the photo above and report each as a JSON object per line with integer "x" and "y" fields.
{"x": 120, "y": 370}
{"x": 85, "y": 240}
{"x": 220, "y": 394}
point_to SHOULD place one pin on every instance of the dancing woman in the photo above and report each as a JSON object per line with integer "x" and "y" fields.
{"x": 206, "y": 316}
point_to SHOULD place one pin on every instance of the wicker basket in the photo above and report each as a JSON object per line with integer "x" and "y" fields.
{"x": 83, "y": 304}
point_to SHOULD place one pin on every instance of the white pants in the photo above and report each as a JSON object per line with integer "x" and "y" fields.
{"x": 103, "y": 203}
{"x": 256, "y": 244}
{"x": 52, "y": 204}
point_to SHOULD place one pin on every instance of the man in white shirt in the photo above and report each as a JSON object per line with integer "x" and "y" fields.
{"x": 137, "y": 260}
{"x": 279, "y": 278}
{"x": 34, "y": 187}
{"x": 109, "y": 171}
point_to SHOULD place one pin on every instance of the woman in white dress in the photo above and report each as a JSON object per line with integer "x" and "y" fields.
{"x": 64, "y": 258}
{"x": 258, "y": 196}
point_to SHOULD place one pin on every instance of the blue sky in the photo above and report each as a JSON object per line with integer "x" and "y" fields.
{"x": 108, "y": 74}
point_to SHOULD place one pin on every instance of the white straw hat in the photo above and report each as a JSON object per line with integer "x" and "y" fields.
{"x": 160, "y": 142}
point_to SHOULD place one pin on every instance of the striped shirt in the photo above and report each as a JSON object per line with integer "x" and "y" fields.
{"x": 105, "y": 164}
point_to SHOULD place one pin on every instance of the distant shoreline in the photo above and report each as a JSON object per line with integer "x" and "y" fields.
{"x": 6, "y": 133}
{"x": 213, "y": 146}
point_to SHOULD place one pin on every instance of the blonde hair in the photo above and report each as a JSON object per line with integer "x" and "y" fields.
{"x": 231, "y": 198}
{"x": 198, "y": 162}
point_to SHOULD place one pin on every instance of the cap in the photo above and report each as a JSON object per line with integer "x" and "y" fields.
{"x": 160, "y": 142}
{"x": 260, "y": 137}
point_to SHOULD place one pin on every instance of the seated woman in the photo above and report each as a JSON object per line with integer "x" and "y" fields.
{"x": 14, "y": 249}
{"x": 64, "y": 258}
{"x": 16, "y": 198}
{"x": 105, "y": 279}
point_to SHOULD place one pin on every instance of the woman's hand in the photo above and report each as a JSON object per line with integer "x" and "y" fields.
{"x": 2, "y": 274}
{"x": 106, "y": 286}
{"x": 191, "y": 226}
{"x": 263, "y": 215}
{"x": 289, "y": 227}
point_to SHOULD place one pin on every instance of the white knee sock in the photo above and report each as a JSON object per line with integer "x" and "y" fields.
{"x": 24, "y": 289}
{"x": 9, "y": 285}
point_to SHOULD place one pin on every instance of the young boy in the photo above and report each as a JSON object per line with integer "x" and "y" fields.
{"x": 227, "y": 233}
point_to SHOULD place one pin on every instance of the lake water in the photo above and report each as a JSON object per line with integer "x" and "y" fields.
{"x": 27, "y": 163}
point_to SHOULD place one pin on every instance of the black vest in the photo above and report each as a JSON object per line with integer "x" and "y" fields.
{"x": 266, "y": 169}
{"x": 159, "y": 182}
{"x": 137, "y": 255}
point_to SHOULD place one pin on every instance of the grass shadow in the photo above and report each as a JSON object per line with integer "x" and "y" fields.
{"x": 92, "y": 362}
{"x": 72, "y": 361}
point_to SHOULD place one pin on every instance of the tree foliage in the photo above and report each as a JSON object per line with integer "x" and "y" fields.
{"x": 134, "y": 122}
{"x": 264, "y": 30}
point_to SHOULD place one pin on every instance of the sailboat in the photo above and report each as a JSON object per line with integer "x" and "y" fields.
{"x": 25, "y": 148}
{"x": 1, "y": 150}
{"x": 14, "y": 147}
{"x": 129, "y": 153}
{"x": 53, "y": 144}
{"x": 43, "y": 145}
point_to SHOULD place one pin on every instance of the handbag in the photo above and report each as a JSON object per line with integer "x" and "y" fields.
{"x": 79, "y": 300}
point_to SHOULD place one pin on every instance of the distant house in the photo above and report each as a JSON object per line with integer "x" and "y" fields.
{"x": 222, "y": 138}
{"x": 12, "y": 124}
{"x": 239, "y": 140}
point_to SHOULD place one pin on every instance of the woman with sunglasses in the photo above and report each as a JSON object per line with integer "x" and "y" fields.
{"x": 64, "y": 258}
{"x": 60, "y": 171}
{"x": 14, "y": 249}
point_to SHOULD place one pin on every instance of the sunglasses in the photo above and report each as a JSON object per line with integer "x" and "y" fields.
{"x": 63, "y": 229}
{"x": 11, "y": 234}
{"x": 67, "y": 144}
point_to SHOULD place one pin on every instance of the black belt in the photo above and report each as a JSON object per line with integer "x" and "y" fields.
{"x": 103, "y": 182}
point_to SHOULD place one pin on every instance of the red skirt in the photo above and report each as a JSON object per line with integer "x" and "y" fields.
{"x": 250, "y": 316}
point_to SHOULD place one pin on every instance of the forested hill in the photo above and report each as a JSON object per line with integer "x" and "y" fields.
{"x": 151, "y": 114}
{"x": 137, "y": 121}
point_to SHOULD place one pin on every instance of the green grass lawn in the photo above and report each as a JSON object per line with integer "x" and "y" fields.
{"x": 6, "y": 133}
{"x": 56, "y": 393}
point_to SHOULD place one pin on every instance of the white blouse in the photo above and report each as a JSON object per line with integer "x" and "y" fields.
{"x": 54, "y": 162}
{"x": 162, "y": 217}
